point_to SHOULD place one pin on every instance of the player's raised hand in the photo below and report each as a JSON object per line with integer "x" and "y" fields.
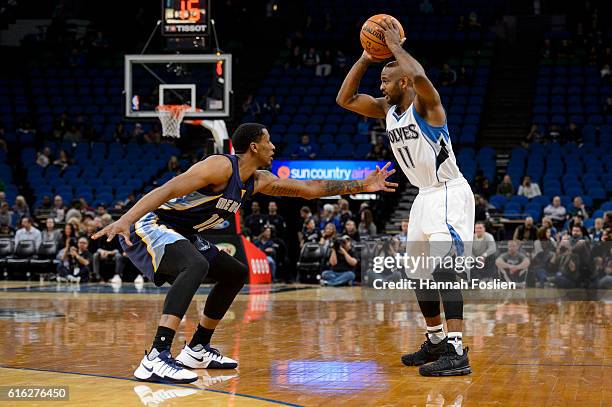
{"x": 119, "y": 227}
{"x": 392, "y": 32}
{"x": 377, "y": 180}
{"x": 366, "y": 55}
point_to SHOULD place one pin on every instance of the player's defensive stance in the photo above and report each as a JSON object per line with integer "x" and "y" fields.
{"x": 162, "y": 235}
{"x": 443, "y": 211}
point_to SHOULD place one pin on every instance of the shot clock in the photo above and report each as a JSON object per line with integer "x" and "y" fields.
{"x": 185, "y": 18}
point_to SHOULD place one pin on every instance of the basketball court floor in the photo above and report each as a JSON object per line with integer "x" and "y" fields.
{"x": 308, "y": 346}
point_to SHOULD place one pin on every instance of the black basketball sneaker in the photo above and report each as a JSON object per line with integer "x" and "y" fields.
{"x": 449, "y": 364}
{"x": 429, "y": 352}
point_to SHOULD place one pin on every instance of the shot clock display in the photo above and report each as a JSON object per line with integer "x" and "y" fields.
{"x": 185, "y": 18}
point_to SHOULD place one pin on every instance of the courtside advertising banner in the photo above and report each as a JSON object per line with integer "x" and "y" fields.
{"x": 324, "y": 169}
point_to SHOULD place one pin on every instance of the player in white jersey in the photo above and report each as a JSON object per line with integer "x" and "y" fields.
{"x": 442, "y": 215}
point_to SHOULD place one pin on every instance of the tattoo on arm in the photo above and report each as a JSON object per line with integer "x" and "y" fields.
{"x": 340, "y": 187}
{"x": 278, "y": 190}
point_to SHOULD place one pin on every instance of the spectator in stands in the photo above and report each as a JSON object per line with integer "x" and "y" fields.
{"x": 173, "y": 165}
{"x": 79, "y": 260}
{"x": 295, "y": 59}
{"x": 21, "y": 208}
{"x": 45, "y": 205}
{"x": 525, "y": 232}
{"x": 62, "y": 161}
{"x": 305, "y": 214}
{"x": 311, "y": 58}
{"x": 154, "y": 135}
{"x": 324, "y": 66}
{"x": 447, "y": 75}
{"x": 2, "y": 195}
{"x": 310, "y": 233}
{"x": 305, "y": 149}
{"x": 74, "y": 211}
{"x": 121, "y": 135}
{"x": 573, "y": 134}
{"x": 73, "y": 134}
{"x": 276, "y": 220}
{"x": 505, "y": 187}
{"x": 426, "y": 7}
{"x": 43, "y": 158}
{"x": 597, "y": 231}
{"x": 27, "y": 232}
{"x": 481, "y": 209}
{"x": 379, "y": 151}
{"x": 367, "y": 226}
{"x": 473, "y": 22}
{"x": 61, "y": 125}
{"x": 484, "y": 247}
{"x": 548, "y": 223}
{"x": 556, "y": 211}
{"x": 566, "y": 265}
{"x": 271, "y": 106}
{"x": 58, "y": 211}
{"x": 251, "y": 107}
{"x": 7, "y": 217}
{"x": 529, "y": 189}
{"x": 554, "y": 133}
{"x": 342, "y": 262}
{"x": 344, "y": 212}
{"x": 350, "y": 230}
{"x": 513, "y": 264}
{"x": 577, "y": 220}
{"x": 543, "y": 253}
{"x": 482, "y": 186}
{"x": 403, "y": 234}
{"x": 255, "y": 221}
{"x": 577, "y": 235}
{"x": 109, "y": 252}
{"x": 578, "y": 207}
{"x": 340, "y": 61}
{"x": 327, "y": 216}
{"x": 534, "y": 136}
{"x": 605, "y": 282}
{"x": 265, "y": 243}
{"x": 50, "y": 234}
{"x": 329, "y": 235}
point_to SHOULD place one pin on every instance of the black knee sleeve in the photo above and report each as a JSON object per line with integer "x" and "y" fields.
{"x": 230, "y": 275}
{"x": 452, "y": 299}
{"x": 429, "y": 301}
{"x": 187, "y": 268}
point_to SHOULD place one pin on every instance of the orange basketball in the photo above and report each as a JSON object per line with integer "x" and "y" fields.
{"x": 373, "y": 39}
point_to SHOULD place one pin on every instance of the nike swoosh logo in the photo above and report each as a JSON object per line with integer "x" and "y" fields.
{"x": 198, "y": 359}
{"x": 147, "y": 369}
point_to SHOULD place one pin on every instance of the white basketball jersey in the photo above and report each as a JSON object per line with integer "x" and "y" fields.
{"x": 424, "y": 152}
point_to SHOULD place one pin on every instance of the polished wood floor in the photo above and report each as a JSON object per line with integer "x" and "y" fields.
{"x": 310, "y": 347}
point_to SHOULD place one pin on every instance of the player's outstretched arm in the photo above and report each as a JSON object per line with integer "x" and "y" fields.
{"x": 427, "y": 101}
{"x": 269, "y": 184}
{"x": 214, "y": 170}
{"x": 360, "y": 103}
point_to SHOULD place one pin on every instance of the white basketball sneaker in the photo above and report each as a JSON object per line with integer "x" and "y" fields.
{"x": 162, "y": 368}
{"x": 205, "y": 357}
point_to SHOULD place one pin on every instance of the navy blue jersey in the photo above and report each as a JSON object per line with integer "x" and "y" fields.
{"x": 203, "y": 209}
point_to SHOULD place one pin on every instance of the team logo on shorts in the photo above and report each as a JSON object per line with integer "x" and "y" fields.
{"x": 227, "y": 248}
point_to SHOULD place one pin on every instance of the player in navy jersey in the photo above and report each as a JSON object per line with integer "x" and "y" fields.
{"x": 164, "y": 236}
{"x": 442, "y": 214}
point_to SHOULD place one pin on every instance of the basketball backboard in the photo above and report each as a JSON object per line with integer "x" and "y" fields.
{"x": 202, "y": 81}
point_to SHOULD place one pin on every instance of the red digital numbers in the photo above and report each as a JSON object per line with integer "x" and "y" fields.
{"x": 190, "y": 10}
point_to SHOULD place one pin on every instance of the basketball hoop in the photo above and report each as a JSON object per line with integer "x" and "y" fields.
{"x": 171, "y": 117}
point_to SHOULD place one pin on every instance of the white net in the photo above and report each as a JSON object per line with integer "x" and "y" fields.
{"x": 171, "y": 117}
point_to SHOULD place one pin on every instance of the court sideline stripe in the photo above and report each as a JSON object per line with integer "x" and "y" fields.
{"x": 284, "y": 403}
{"x": 551, "y": 364}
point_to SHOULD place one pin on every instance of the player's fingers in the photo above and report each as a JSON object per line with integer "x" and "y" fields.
{"x": 392, "y": 184}
{"x": 390, "y": 173}
{"x": 402, "y": 41}
{"x": 97, "y": 235}
{"x": 389, "y": 190}
{"x": 377, "y": 168}
{"x": 110, "y": 235}
{"x": 126, "y": 236}
{"x": 387, "y": 165}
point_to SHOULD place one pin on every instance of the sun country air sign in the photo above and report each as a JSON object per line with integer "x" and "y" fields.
{"x": 324, "y": 169}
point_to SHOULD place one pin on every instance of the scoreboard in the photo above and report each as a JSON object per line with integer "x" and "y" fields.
{"x": 185, "y": 18}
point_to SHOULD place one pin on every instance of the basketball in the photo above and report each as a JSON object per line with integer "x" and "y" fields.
{"x": 373, "y": 39}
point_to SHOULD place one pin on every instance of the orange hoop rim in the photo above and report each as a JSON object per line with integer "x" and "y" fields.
{"x": 173, "y": 109}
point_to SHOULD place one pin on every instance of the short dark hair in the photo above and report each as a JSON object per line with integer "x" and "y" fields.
{"x": 246, "y": 134}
